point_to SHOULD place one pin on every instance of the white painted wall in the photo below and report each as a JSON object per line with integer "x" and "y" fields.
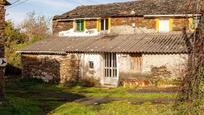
{"x": 124, "y": 63}
{"x": 88, "y": 72}
{"x": 175, "y": 63}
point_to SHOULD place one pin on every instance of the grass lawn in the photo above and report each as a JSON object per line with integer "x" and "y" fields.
{"x": 33, "y": 97}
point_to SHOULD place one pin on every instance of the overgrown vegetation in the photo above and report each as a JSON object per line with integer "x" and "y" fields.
{"x": 32, "y": 29}
{"x": 34, "y": 97}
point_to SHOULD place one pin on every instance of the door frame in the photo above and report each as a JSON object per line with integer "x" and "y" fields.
{"x": 116, "y": 79}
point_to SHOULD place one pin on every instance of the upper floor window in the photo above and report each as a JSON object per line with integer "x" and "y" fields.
{"x": 104, "y": 24}
{"x": 164, "y": 25}
{"x": 194, "y": 23}
{"x": 80, "y": 25}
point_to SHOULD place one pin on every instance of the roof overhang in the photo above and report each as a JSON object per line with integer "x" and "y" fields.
{"x": 72, "y": 19}
{"x": 41, "y": 52}
{"x": 174, "y": 15}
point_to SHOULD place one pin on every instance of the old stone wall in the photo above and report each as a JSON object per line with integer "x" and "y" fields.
{"x": 174, "y": 63}
{"x": 91, "y": 24}
{"x": 180, "y": 23}
{"x": 61, "y": 26}
{"x": 149, "y": 23}
{"x": 51, "y": 68}
{"x": 138, "y": 22}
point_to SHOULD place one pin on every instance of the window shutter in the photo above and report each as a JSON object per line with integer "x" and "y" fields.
{"x": 84, "y": 25}
{"x": 109, "y": 23}
{"x": 157, "y": 25}
{"x": 98, "y": 25}
{"x": 171, "y": 24}
{"x": 191, "y": 24}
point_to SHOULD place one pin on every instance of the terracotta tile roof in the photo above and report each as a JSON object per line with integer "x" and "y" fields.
{"x": 132, "y": 43}
{"x": 140, "y": 7}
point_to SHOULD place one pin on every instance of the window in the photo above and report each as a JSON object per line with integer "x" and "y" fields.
{"x": 80, "y": 25}
{"x": 194, "y": 23}
{"x": 91, "y": 64}
{"x": 164, "y": 25}
{"x": 104, "y": 24}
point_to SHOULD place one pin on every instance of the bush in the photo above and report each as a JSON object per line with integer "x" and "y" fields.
{"x": 88, "y": 82}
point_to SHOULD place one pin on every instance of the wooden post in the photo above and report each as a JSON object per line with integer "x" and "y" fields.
{"x": 2, "y": 25}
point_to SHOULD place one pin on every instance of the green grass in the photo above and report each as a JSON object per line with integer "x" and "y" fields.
{"x": 33, "y": 97}
{"x": 114, "y": 108}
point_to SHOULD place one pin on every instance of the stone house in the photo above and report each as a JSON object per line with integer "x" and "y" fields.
{"x": 114, "y": 42}
{"x": 3, "y": 3}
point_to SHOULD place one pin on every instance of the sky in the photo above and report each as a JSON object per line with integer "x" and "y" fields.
{"x": 18, "y": 11}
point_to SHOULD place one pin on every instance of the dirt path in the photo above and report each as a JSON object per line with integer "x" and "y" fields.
{"x": 102, "y": 100}
{"x": 155, "y": 90}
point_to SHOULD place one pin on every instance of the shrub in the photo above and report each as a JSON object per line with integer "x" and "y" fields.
{"x": 88, "y": 82}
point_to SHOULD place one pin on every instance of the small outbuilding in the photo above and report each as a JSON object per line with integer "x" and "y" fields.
{"x": 108, "y": 59}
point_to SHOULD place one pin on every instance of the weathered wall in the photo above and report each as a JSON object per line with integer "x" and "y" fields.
{"x": 180, "y": 23}
{"x": 175, "y": 63}
{"x": 51, "y": 68}
{"x": 59, "y": 26}
{"x": 124, "y": 61}
{"x": 68, "y": 69}
{"x": 86, "y": 71}
{"x": 149, "y": 23}
{"x": 91, "y": 24}
{"x": 140, "y": 22}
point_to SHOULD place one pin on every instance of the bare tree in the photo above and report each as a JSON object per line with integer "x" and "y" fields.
{"x": 193, "y": 81}
{"x": 36, "y": 27}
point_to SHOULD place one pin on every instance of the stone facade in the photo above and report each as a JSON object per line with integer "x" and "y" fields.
{"x": 51, "y": 68}
{"x": 139, "y": 22}
{"x": 90, "y": 24}
{"x": 180, "y": 23}
{"x": 149, "y": 23}
{"x": 61, "y": 26}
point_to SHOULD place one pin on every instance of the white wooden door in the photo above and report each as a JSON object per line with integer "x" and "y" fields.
{"x": 110, "y": 70}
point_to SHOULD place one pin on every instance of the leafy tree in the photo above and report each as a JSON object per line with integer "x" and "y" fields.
{"x": 14, "y": 35}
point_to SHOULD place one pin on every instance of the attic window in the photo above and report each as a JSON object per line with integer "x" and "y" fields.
{"x": 80, "y": 25}
{"x": 164, "y": 25}
{"x": 104, "y": 24}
